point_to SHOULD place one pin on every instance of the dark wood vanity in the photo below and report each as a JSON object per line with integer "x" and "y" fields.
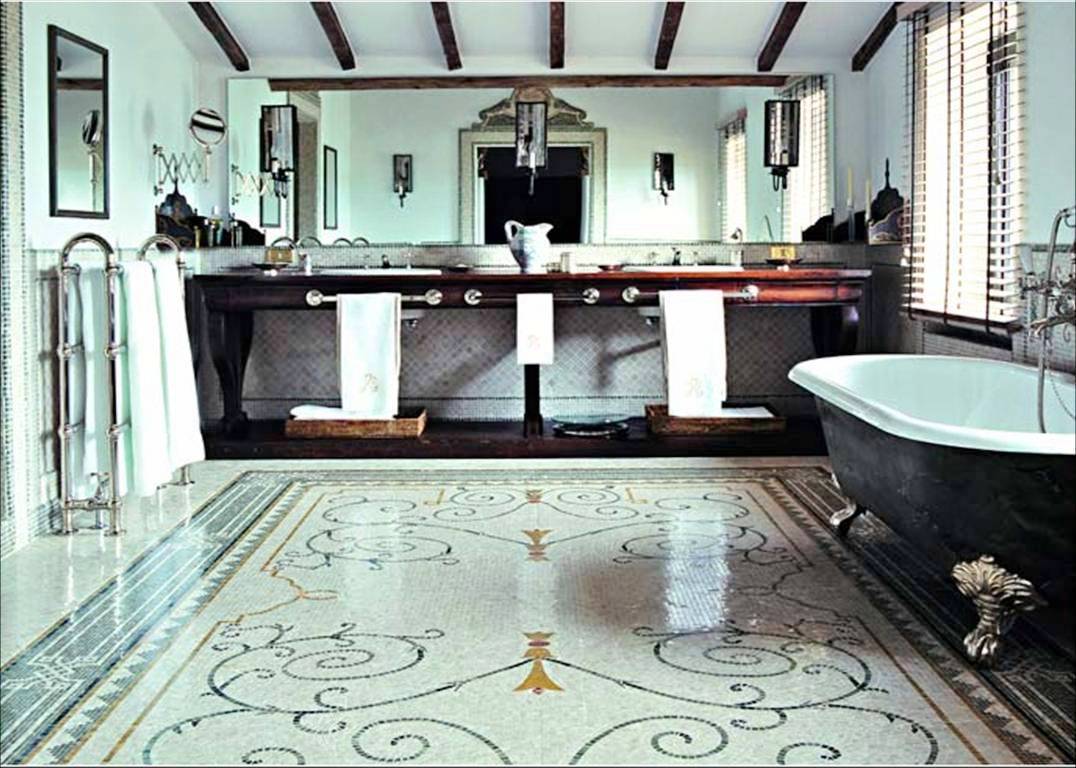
{"x": 231, "y": 300}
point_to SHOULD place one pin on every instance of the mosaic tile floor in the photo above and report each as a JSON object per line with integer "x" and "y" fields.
{"x": 504, "y": 615}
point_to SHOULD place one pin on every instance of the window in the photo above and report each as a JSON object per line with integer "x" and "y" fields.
{"x": 807, "y": 198}
{"x": 963, "y": 220}
{"x": 733, "y": 164}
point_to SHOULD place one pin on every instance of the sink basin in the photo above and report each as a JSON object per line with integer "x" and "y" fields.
{"x": 379, "y": 272}
{"x": 684, "y": 268}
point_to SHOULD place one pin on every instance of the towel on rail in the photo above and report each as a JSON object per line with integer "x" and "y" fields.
{"x": 693, "y": 351}
{"x": 185, "y": 444}
{"x": 150, "y": 465}
{"x": 368, "y": 353}
{"x": 534, "y": 329}
{"x": 93, "y": 296}
{"x": 82, "y": 485}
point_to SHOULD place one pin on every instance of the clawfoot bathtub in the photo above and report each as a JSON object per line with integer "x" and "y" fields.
{"x": 947, "y": 451}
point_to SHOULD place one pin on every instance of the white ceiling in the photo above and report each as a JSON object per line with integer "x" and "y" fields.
{"x": 497, "y": 37}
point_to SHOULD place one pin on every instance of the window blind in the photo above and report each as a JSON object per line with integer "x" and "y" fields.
{"x": 807, "y": 198}
{"x": 964, "y": 94}
{"x": 733, "y": 164}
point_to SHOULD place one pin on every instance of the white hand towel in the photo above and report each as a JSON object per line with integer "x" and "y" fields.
{"x": 149, "y": 423}
{"x": 534, "y": 328}
{"x": 185, "y": 444}
{"x": 693, "y": 351}
{"x": 368, "y": 354}
{"x": 324, "y": 413}
{"x": 93, "y": 295}
{"x": 82, "y": 486}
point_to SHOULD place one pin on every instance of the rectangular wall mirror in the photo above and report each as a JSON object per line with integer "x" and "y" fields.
{"x": 78, "y": 126}
{"x": 329, "y": 193}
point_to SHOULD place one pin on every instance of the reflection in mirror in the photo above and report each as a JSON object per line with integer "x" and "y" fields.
{"x": 592, "y": 151}
{"x": 269, "y": 207}
{"x": 78, "y": 126}
{"x": 329, "y": 166}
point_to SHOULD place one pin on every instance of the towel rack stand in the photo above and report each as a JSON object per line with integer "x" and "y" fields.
{"x": 106, "y": 497}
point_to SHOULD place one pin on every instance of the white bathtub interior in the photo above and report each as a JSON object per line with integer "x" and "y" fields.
{"x": 968, "y": 402}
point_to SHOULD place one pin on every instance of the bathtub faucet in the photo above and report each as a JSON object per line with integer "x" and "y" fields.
{"x": 1063, "y": 307}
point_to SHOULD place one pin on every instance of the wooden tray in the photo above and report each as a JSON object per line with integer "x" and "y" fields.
{"x": 659, "y": 422}
{"x": 409, "y": 424}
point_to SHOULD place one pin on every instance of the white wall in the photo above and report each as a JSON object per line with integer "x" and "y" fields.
{"x": 1050, "y": 113}
{"x": 152, "y": 93}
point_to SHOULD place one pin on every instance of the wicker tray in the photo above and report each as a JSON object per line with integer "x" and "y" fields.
{"x": 409, "y": 424}
{"x": 659, "y": 422}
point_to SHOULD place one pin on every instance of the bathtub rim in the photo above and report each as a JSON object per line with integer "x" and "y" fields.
{"x": 813, "y": 376}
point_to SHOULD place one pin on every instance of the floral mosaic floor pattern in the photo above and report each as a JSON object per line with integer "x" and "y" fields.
{"x": 498, "y": 617}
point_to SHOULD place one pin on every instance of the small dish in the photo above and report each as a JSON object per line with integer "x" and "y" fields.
{"x": 458, "y": 268}
{"x": 610, "y": 267}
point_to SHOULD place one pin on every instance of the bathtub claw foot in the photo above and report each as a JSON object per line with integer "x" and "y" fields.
{"x": 842, "y": 520}
{"x": 998, "y": 595}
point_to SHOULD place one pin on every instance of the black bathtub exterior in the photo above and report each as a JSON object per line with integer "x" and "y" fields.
{"x": 956, "y": 504}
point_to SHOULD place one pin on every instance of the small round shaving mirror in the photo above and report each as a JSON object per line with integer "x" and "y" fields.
{"x": 91, "y": 128}
{"x": 208, "y": 129}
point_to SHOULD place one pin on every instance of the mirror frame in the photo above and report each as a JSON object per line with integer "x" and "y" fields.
{"x": 329, "y": 160}
{"x": 54, "y": 33}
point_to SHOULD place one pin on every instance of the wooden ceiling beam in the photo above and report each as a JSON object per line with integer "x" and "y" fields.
{"x": 209, "y": 17}
{"x": 876, "y": 39}
{"x": 556, "y": 35}
{"x": 443, "y": 18}
{"x": 670, "y": 25}
{"x": 782, "y": 30}
{"x": 334, "y": 31}
{"x": 508, "y": 82}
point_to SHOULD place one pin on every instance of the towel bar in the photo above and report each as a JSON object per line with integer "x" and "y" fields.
{"x": 433, "y": 297}
{"x": 590, "y": 296}
{"x": 107, "y": 496}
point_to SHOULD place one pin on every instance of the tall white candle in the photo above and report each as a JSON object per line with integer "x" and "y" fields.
{"x": 849, "y": 186}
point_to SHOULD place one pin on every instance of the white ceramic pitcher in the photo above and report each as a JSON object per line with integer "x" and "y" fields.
{"x": 529, "y": 245}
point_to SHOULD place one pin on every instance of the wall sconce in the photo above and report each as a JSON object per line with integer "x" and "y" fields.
{"x": 782, "y": 145}
{"x": 402, "y": 176}
{"x": 279, "y": 146}
{"x": 531, "y": 137}
{"x": 664, "y": 177}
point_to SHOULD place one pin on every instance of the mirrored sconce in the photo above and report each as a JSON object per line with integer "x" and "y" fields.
{"x": 279, "y": 146}
{"x": 664, "y": 176}
{"x": 403, "y": 174}
{"x": 782, "y": 144}
{"x": 531, "y": 137}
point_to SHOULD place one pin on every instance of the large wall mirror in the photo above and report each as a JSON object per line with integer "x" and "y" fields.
{"x": 78, "y": 126}
{"x": 593, "y": 155}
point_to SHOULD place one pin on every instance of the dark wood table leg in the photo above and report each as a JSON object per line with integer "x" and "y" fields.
{"x": 230, "y": 337}
{"x": 195, "y": 318}
{"x": 834, "y": 329}
{"x": 532, "y": 401}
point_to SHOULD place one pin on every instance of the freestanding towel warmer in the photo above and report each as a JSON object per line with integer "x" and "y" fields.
{"x": 107, "y": 495}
